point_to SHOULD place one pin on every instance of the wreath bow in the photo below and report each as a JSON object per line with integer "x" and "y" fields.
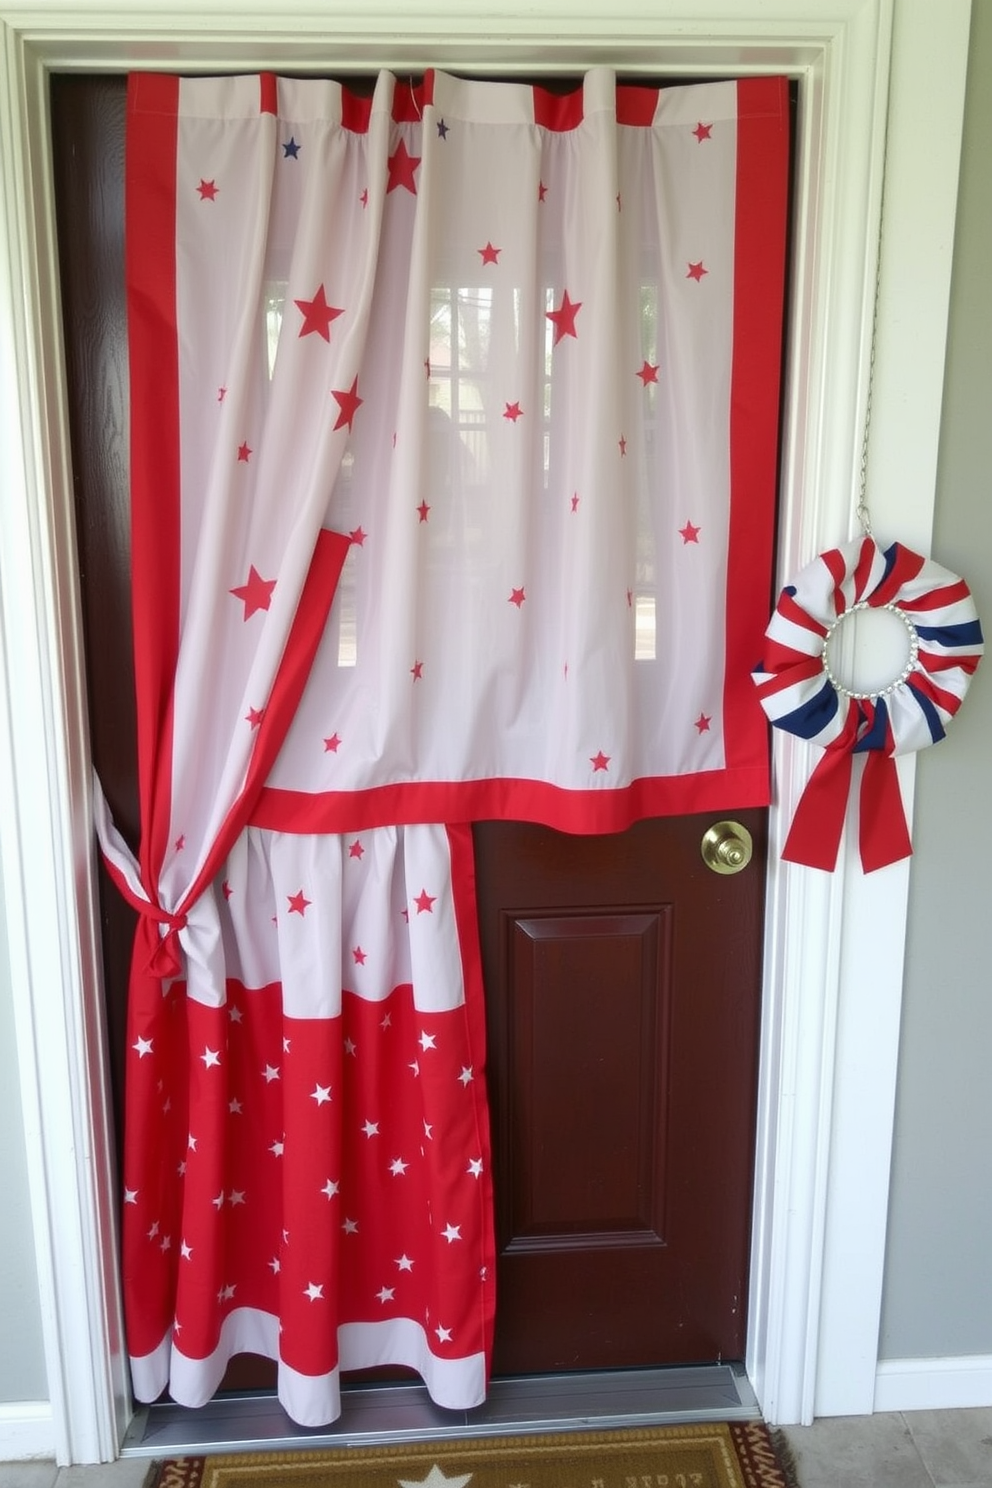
{"x": 800, "y": 694}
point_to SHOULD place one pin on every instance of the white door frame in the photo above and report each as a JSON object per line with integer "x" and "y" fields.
{"x": 833, "y": 966}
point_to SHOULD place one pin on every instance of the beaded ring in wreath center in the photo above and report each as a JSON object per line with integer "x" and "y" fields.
{"x": 801, "y": 693}
{"x": 914, "y": 650}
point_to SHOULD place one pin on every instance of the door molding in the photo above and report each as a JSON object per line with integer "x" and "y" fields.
{"x": 834, "y": 944}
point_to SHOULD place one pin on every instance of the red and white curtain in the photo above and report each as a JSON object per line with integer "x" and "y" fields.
{"x": 454, "y": 422}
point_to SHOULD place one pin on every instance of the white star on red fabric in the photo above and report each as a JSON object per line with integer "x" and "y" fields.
{"x": 563, "y": 319}
{"x": 427, "y": 1040}
{"x": 466, "y": 1076}
{"x": 443, "y": 1336}
{"x": 689, "y": 533}
{"x": 451, "y": 1233}
{"x": 349, "y": 403}
{"x": 330, "y": 1188}
{"x": 270, "y": 1073}
{"x": 317, "y": 315}
{"x": 404, "y": 1262}
{"x": 314, "y": 1290}
{"x": 398, "y": 1167}
{"x": 402, "y": 166}
{"x": 475, "y": 1167}
{"x": 143, "y": 1046}
{"x": 321, "y": 1094}
{"x": 371, "y": 1129}
{"x": 386, "y": 1294}
{"x": 255, "y": 593}
{"x": 210, "y": 1057}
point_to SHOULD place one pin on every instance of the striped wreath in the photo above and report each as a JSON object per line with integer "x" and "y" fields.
{"x": 800, "y": 693}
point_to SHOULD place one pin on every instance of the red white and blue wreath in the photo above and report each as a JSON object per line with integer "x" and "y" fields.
{"x": 800, "y": 693}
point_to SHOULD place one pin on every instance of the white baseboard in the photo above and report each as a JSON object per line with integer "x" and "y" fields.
{"x": 933, "y": 1384}
{"x": 26, "y": 1430}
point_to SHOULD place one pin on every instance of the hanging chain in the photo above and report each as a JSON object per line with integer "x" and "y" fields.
{"x": 862, "y": 511}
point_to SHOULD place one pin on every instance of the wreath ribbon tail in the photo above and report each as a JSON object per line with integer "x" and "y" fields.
{"x": 883, "y": 831}
{"x": 818, "y": 823}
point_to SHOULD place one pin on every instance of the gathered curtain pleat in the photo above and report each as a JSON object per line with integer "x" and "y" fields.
{"x": 454, "y": 431}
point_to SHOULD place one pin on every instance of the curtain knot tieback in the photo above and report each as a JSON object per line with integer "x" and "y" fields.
{"x": 163, "y": 958}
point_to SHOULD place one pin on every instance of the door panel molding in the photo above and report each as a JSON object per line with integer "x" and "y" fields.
{"x": 829, "y": 1051}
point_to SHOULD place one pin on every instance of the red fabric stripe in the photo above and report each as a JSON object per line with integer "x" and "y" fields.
{"x": 862, "y": 572}
{"x": 558, "y": 111}
{"x": 356, "y": 111}
{"x": 150, "y": 259}
{"x": 905, "y": 568}
{"x": 934, "y": 662}
{"x": 948, "y": 594}
{"x": 790, "y": 609}
{"x": 463, "y": 890}
{"x": 635, "y": 105}
{"x": 409, "y": 99}
{"x": 268, "y": 85}
{"x": 883, "y": 836}
{"x": 837, "y": 569}
{"x": 515, "y": 800}
{"x": 759, "y": 280}
{"x": 949, "y": 701}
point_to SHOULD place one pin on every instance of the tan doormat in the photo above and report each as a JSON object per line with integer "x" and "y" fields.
{"x": 740, "y": 1455}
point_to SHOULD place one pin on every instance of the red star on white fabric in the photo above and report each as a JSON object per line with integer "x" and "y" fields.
{"x": 696, "y": 271}
{"x": 703, "y": 132}
{"x": 298, "y": 903}
{"x": 208, "y": 190}
{"x": 600, "y": 761}
{"x": 425, "y": 902}
{"x": 358, "y": 536}
{"x": 689, "y": 533}
{"x": 490, "y": 255}
{"x": 423, "y": 510}
{"x": 359, "y": 956}
{"x": 255, "y": 593}
{"x": 417, "y": 671}
{"x": 703, "y": 723}
{"x": 513, "y": 412}
{"x": 349, "y": 403}
{"x": 402, "y": 166}
{"x": 245, "y": 453}
{"x": 333, "y": 744}
{"x": 356, "y": 850}
{"x": 648, "y": 373}
{"x": 517, "y": 598}
{"x": 317, "y": 315}
{"x": 563, "y": 319}
{"x": 254, "y": 716}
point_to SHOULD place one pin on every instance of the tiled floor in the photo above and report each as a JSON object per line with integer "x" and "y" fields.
{"x": 921, "y": 1449}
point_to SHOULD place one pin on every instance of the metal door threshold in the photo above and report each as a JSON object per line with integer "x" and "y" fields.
{"x": 379, "y": 1414}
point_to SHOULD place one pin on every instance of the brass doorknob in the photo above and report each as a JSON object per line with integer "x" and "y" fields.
{"x": 726, "y": 847}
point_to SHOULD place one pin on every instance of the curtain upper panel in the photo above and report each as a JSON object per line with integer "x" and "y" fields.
{"x": 520, "y": 351}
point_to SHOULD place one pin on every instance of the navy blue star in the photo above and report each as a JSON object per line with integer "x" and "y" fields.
{"x": 442, "y": 129}
{"x": 292, "y": 148}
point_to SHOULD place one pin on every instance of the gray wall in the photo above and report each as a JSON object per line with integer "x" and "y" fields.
{"x": 22, "y": 1361}
{"x": 938, "y": 1279}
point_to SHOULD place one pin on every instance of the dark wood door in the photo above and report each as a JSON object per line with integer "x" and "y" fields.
{"x": 622, "y": 976}
{"x": 622, "y": 981}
